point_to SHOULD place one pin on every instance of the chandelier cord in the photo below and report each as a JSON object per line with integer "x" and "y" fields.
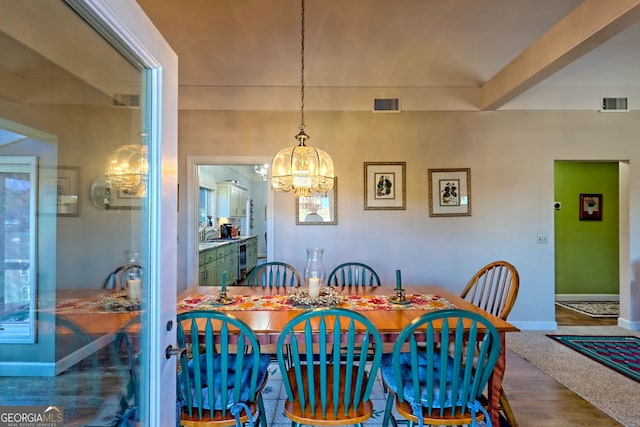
{"x": 302, "y": 68}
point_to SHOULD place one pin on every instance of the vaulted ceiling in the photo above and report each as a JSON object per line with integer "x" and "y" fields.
{"x": 432, "y": 54}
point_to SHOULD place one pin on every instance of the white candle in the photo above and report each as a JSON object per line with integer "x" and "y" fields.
{"x": 314, "y": 287}
{"x": 135, "y": 288}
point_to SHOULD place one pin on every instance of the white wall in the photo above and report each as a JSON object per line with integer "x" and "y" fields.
{"x": 511, "y": 157}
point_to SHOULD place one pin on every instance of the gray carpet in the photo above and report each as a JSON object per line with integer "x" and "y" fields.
{"x": 612, "y": 393}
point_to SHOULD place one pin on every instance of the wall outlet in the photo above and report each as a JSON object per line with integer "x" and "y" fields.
{"x": 543, "y": 238}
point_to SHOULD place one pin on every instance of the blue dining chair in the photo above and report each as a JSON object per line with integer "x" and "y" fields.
{"x": 439, "y": 367}
{"x": 353, "y": 274}
{"x": 321, "y": 388}
{"x": 125, "y": 352}
{"x": 274, "y": 274}
{"x": 222, "y": 372}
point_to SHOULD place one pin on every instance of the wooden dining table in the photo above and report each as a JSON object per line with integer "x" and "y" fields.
{"x": 267, "y": 322}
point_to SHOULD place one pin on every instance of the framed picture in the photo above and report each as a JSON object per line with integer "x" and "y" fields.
{"x": 450, "y": 192}
{"x": 67, "y": 190}
{"x": 385, "y": 185}
{"x": 590, "y": 207}
{"x": 321, "y": 209}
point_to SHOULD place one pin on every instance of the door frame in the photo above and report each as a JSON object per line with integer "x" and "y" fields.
{"x": 191, "y": 238}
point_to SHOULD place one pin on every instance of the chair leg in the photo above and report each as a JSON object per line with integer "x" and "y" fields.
{"x": 262, "y": 421}
{"x": 387, "y": 410}
{"x": 506, "y": 408}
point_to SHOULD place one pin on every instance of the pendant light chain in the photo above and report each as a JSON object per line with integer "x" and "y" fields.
{"x": 302, "y": 169}
{"x": 302, "y": 69}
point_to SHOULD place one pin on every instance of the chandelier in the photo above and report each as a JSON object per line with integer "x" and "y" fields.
{"x": 262, "y": 170}
{"x": 302, "y": 169}
{"x": 127, "y": 169}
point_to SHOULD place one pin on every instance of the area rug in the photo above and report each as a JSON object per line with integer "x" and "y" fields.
{"x": 593, "y": 308}
{"x": 620, "y": 353}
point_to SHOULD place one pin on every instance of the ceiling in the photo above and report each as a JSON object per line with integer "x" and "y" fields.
{"x": 432, "y": 54}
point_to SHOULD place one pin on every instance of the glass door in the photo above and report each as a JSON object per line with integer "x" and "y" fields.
{"x": 88, "y": 200}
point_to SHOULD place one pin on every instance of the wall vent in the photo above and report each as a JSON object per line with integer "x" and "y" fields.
{"x": 386, "y": 105}
{"x": 126, "y": 100}
{"x": 614, "y": 104}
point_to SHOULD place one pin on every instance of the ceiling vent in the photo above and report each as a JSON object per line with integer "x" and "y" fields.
{"x": 386, "y": 105}
{"x": 126, "y": 100}
{"x": 614, "y": 104}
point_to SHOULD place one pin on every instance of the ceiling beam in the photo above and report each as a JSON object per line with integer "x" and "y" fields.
{"x": 586, "y": 27}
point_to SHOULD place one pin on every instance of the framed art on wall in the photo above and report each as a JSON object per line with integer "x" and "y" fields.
{"x": 318, "y": 209}
{"x": 67, "y": 190}
{"x": 384, "y": 185}
{"x": 590, "y": 207}
{"x": 450, "y": 192}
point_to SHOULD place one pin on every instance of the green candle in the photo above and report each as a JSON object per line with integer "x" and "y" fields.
{"x": 224, "y": 282}
{"x": 398, "y": 280}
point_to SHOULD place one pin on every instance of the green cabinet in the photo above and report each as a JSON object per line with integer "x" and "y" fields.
{"x": 215, "y": 260}
{"x": 224, "y": 257}
{"x": 208, "y": 273}
{"x": 252, "y": 253}
{"x": 230, "y": 262}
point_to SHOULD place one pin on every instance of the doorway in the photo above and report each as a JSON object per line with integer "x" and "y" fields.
{"x": 591, "y": 261}
{"x": 587, "y": 248}
{"x": 263, "y": 211}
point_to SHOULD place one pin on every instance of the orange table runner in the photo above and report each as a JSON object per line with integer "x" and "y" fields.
{"x": 281, "y": 302}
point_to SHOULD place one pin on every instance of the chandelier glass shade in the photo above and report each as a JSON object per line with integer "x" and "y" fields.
{"x": 302, "y": 169}
{"x": 127, "y": 169}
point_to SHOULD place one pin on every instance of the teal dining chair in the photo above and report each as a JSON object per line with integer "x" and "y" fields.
{"x": 353, "y": 274}
{"x": 125, "y": 351}
{"x": 321, "y": 388}
{"x": 274, "y": 274}
{"x": 222, "y": 372}
{"x": 439, "y": 367}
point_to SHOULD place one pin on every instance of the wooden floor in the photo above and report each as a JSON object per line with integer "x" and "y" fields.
{"x": 539, "y": 401}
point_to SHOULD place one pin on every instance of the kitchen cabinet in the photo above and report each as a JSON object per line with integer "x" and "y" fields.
{"x": 230, "y": 262}
{"x": 213, "y": 261}
{"x": 231, "y": 200}
{"x": 208, "y": 271}
{"x": 252, "y": 253}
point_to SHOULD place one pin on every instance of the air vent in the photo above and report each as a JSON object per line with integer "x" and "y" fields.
{"x": 614, "y": 104}
{"x": 387, "y": 105}
{"x": 126, "y": 100}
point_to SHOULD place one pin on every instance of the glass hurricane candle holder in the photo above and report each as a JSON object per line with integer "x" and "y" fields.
{"x": 314, "y": 272}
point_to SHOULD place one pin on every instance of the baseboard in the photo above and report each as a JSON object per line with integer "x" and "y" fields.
{"x": 626, "y": 324}
{"x": 587, "y": 297}
{"x": 534, "y": 325}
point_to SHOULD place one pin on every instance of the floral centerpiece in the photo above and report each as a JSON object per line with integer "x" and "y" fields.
{"x": 328, "y": 297}
{"x": 118, "y": 302}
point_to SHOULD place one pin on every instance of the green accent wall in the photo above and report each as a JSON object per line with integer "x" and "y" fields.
{"x": 586, "y": 252}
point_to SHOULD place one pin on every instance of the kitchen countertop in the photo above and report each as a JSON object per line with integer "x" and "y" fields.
{"x": 220, "y": 242}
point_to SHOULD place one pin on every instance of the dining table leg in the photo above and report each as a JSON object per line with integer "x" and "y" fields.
{"x": 495, "y": 383}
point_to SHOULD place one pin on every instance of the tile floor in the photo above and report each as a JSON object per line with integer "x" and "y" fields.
{"x": 274, "y": 396}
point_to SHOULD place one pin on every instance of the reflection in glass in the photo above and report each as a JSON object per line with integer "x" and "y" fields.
{"x": 17, "y": 211}
{"x": 73, "y": 109}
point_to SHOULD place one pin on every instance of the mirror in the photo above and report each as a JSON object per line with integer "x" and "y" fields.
{"x": 318, "y": 209}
